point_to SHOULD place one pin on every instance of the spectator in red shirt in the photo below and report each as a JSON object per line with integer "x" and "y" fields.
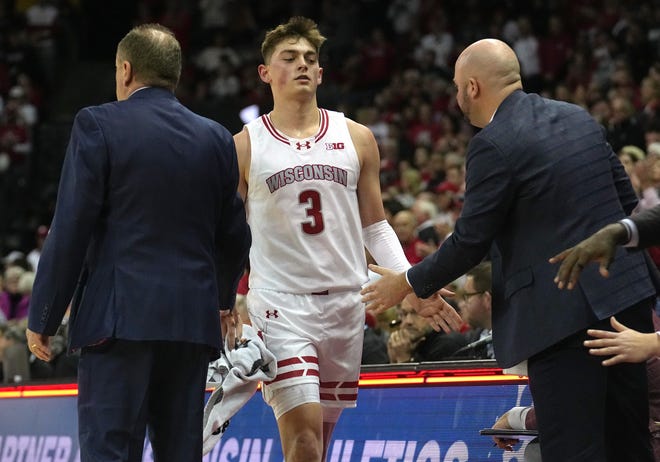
{"x": 404, "y": 224}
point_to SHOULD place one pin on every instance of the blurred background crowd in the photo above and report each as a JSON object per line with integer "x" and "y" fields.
{"x": 387, "y": 64}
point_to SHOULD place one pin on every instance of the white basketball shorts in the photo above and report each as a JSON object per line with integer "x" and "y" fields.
{"x": 317, "y": 339}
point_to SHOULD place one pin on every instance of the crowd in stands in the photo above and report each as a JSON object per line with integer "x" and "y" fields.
{"x": 387, "y": 64}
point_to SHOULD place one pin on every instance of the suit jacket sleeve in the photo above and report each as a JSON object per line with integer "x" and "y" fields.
{"x": 233, "y": 238}
{"x": 648, "y": 226}
{"x": 488, "y": 196}
{"x": 80, "y": 200}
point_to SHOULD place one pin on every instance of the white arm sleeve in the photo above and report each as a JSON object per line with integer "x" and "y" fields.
{"x": 516, "y": 417}
{"x": 382, "y": 243}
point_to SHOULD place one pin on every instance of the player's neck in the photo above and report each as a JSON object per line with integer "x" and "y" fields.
{"x": 296, "y": 120}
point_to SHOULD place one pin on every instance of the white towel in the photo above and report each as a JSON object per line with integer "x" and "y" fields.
{"x": 235, "y": 376}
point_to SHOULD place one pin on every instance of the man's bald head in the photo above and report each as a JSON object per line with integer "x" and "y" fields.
{"x": 493, "y": 61}
{"x": 488, "y": 71}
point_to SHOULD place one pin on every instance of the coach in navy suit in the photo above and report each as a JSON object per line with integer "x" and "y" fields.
{"x": 148, "y": 242}
{"x": 540, "y": 176}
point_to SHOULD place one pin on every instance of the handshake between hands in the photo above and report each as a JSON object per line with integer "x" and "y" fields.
{"x": 392, "y": 287}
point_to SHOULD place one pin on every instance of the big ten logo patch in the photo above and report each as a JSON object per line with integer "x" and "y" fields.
{"x": 334, "y": 146}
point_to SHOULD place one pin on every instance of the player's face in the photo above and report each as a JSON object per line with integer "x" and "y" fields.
{"x": 293, "y": 67}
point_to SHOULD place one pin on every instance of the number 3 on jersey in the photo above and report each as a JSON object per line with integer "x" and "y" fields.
{"x": 312, "y": 199}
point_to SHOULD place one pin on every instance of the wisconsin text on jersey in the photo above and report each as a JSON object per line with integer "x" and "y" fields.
{"x": 305, "y": 173}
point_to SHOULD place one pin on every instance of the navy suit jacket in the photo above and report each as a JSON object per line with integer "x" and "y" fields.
{"x": 148, "y": 230}
{"x": 539, "y": 178}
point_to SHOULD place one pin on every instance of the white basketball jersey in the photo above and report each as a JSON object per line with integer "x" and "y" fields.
{"x": 303, "y": 210}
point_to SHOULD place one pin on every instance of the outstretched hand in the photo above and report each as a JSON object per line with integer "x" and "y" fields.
{"x": 600, "y": 247}
{"x": 389, "y": 290}
{"x": 624, "y": 345}
{"x": 437, "y": 312}
{"x": 393, "y": 287}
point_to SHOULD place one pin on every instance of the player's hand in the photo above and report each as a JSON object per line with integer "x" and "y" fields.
{"x": 232, "y": 327}
{"x": 387, "y": 291}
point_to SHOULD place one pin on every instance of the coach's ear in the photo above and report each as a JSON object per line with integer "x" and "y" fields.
{"x": 124, "y": 79}
{"x": 473, "y": 88}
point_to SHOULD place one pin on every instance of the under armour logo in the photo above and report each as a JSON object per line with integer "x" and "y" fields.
{"x": 270, "y": 314}
{"x": 306, "y": 145}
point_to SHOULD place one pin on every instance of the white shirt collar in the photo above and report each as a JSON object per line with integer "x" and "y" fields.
{"x": 137, "y": 89}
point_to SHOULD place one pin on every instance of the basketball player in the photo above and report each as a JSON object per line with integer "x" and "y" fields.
{"x": 310, "y": 181}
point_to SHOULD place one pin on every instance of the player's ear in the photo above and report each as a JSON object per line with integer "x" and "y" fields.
{"x": 264, "y": 75}
{"x": 320, "y": 75}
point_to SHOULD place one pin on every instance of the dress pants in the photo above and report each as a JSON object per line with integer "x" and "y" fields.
{"x": 125, "y": 387}
{"x": 586, "y": 411}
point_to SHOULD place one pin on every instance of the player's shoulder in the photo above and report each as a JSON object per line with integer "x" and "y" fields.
{"x": 242, "y": 140}
{"x": 359, "y": 133}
